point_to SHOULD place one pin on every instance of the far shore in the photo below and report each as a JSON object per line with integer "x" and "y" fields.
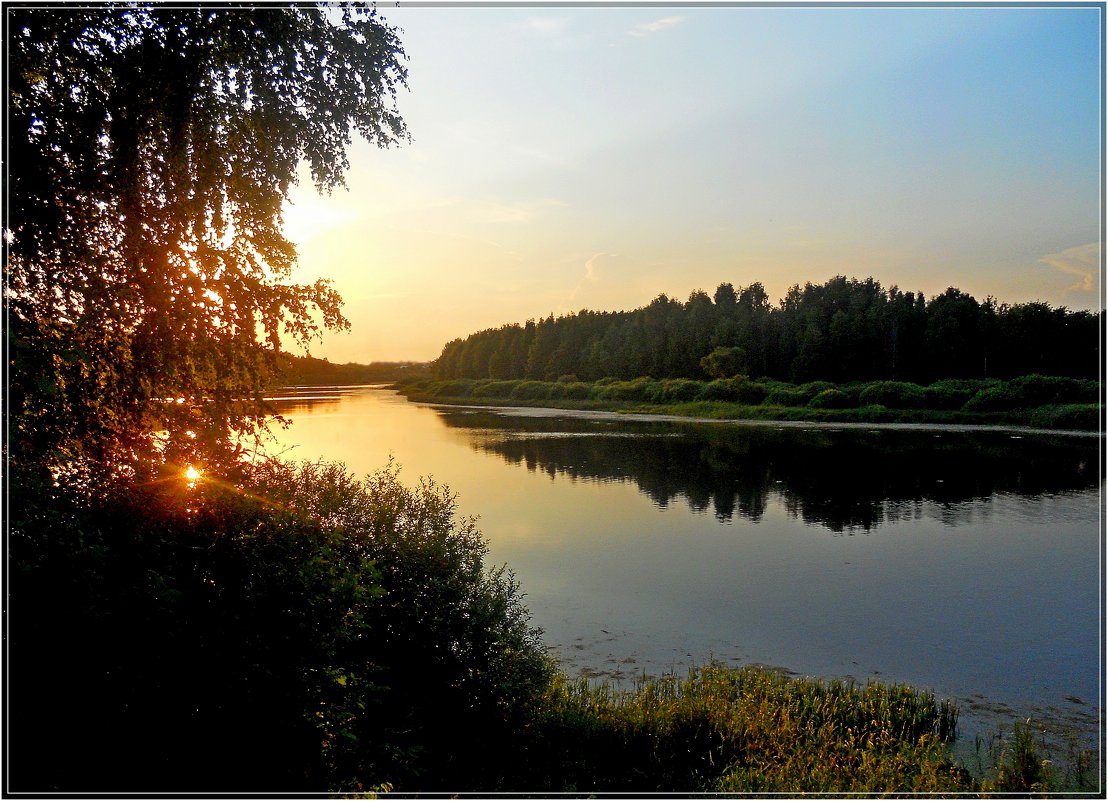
{"x": 695, "y": 412}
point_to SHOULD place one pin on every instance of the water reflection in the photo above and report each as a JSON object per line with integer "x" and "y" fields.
{"x": 983, "y": 580}
{"x": 844, "y": 480}
{"x": 300, "y": 400}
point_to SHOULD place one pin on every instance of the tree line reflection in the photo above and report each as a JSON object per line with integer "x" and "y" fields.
{"x": 844, "y": 480}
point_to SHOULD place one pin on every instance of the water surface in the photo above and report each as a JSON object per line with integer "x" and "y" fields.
{"x": 966, "y": 562}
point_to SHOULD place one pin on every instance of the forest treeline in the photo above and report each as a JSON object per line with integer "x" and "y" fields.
{"x": 843, "y": 330}
{"x": 309, "y": 371}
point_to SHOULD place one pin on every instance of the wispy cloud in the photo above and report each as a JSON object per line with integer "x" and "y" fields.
{"x": 1082, "y": 261}
{"x": 650, "y": 28}
{"x": 524, "y": 211}
{"x": 590, "y": 266}
{"x": 592, "y": 276}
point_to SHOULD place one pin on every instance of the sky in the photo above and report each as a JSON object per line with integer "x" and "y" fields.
{"x": 586, "y": 157}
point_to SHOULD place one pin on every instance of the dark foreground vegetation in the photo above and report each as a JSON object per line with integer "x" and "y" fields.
{"x": 1033, "y": 400}
{"x": 304, "y": 631}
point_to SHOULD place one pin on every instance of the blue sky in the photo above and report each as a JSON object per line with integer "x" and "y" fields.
{"x": 593, "y": 157}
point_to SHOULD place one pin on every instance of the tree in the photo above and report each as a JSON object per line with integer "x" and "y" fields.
{"x": 953, "y": 334}
{"x": 724, "y": 362}
{"x": 146, "y": 273}
{"x": 725, "y": 295}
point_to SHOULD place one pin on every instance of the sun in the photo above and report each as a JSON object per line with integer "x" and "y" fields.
{"x": 191, "y": 473}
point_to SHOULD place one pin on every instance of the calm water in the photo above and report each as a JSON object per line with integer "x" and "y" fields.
{"x": 969, "y": 563}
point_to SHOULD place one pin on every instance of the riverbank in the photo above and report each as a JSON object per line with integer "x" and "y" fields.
{"x": 1030, "y": 402}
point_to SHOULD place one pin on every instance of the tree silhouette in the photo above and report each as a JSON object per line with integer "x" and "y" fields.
{"x": 151, "y": 150}
{"x": 844, "y": 330}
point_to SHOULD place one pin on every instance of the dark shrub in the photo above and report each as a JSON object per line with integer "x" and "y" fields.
{"x": 786, "y": 397}
{"x": 952, "y": 393}
{"x": 813, "y": 388}
{"x": 1032, "y": 391}
{"x": 893, "y": 394}
{"x": 677, "y": 390}
{"x": 722, "y": 389}
{"x": 576, "y": 390}
{"x": 725, "y": 362}
{"x": 531, "y": 390}
{"x": 455, "y": 388}
{"x": 1038, "y": 390}
{"x": 831, "y": 399}
{"x": 568, "y": 378}
{"x": 495, "y": 389}
{"x": 997, "y": 398}
{"x": 751, "y": 393}
{"x": 1077, "y": 416}
{"x": 309, "y": 633}
{"x": 739, "y": 389}
{"x": 641, "y": 389}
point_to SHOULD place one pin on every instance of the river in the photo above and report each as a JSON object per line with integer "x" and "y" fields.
{"x": 968, "y": 562}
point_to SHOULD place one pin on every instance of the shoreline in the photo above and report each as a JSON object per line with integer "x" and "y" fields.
{"x": 983, "y": 722}
{"x": 637, "y": 413}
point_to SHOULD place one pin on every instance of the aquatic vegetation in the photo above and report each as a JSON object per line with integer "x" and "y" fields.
{"x": 741, "y": 730}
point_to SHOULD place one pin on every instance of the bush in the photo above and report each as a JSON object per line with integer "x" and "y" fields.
{"x": 750, "y": 393}
{"x": 998, "y": 398}
{"x": 724, "y": 362}
{"x": 779, "y": 393}
{"x": 813, "y": 388}
{"x": 1031, "y": 391}
{"x": 531, "y": 390}
{"x": 307, "y": 633}
{"x": 641, "y": 389}
{"x": 454, "y": 388}
{"x": 677, "y": 390}
{"x": 951, "y": 393}
{"x": 786, "y": 397}
{"x": 451, "y": 640}
{"x": 722, "y": 389}
{"x": 495, "y": 389}
{"x": 1075, "y": 416}
{"x": 831, "y": 399}
{"x": 577, "y": 390}
{"x": 1040, "y": 390}
{"x": 893, "y": 395}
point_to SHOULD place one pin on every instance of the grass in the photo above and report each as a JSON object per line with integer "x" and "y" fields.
{"x": 1055, "y": 403}
{"x": 755, "y": 730}
{"x": 742, "y": 730}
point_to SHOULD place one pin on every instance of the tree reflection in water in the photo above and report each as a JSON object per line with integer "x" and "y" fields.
{"x": 841, "y": 479}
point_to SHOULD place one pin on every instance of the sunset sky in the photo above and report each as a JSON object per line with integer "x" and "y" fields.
{"x": 587, "y": 157}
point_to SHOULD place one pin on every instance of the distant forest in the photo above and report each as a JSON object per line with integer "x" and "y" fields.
{"x": 308, "y": 371}
{"x": 844, "y": 330}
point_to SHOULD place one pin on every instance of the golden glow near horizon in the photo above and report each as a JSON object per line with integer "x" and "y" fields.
{"x": 590, "y": 157}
